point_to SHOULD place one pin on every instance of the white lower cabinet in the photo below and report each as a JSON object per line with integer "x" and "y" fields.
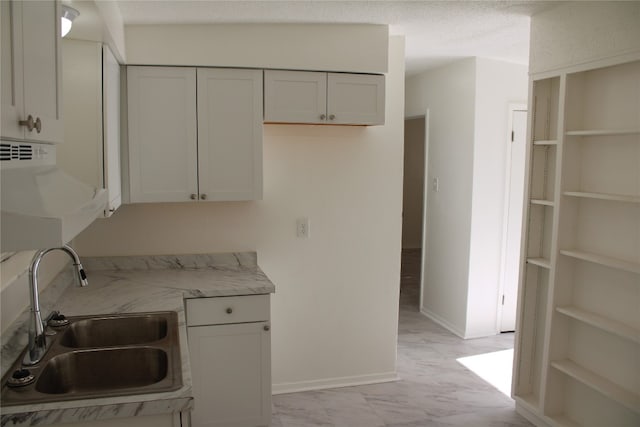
{"x": 163, "y": 420}
{"x": 230, "y": 348}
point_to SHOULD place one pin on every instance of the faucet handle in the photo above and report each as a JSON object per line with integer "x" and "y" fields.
{"x": 56, "y": 320}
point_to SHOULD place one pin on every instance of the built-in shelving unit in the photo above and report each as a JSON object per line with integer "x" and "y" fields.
{"x": 602, "y": 132}
{"x": 578, "y": 345}
{"x": 603, "y": 196}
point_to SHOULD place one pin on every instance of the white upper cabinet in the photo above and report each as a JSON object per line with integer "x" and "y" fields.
{"x": 163, "y": 145}
{"x": 229, "y": 134}
{"x": 111, "y": 130}
{"x": 355, "y": 99}
{"x": 91, "y": 152}
{"x": 295, "y": 97}
{"x": 194, "y": 138}
{"x": 324, "y": 98}
{"x": 31, "y": 71}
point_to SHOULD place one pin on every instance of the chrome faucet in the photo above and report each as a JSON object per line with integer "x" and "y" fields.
{"x": 37, "y": 338}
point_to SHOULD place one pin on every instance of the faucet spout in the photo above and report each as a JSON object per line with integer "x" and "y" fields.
{"x": 37, "y": 338}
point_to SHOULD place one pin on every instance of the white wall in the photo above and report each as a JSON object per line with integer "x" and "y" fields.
{"x": 449, "y": 94}
{"x": 468, "y": 107}
{"x": 577, "y": 32}
{"x": 335, "y": 309}
{"x": 498, "y": 84}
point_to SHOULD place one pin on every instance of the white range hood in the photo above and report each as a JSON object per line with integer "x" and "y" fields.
{"x": 41, "y": 205}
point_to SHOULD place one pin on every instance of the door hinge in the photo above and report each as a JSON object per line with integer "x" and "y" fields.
{"x": 502, "y": 299}
{"x": 512, "y": 136}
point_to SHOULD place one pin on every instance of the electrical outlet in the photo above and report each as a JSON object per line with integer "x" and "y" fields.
{"x": 302, "y": 228}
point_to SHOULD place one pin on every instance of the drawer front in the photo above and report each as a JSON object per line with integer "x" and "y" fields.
{"x": 221, "y": 310}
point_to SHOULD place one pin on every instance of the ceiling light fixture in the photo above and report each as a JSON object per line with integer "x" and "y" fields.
{"x": 66, "y": 20}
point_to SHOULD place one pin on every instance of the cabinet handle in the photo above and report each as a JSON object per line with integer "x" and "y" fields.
{"x": 203, "y": 197}
{"x": 229, "y": 310}
{"x": 332, "y": 116}
{"x": 32, "y": 124}
{"x": 323, "y": 117}
{"x": 267, "y": 327}
{"x": 193, "y": 196}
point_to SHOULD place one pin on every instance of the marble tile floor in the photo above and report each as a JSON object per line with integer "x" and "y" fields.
{"x": 434, "y": 391}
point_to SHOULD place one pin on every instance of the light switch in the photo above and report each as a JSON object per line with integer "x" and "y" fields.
{"x": 302, "y": 228}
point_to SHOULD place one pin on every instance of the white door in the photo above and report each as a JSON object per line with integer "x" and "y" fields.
{"x": 513, "y": 227}
{"x": 229, "y": 134}
{"x": 111, "y": 129}
{"x": 355, "y": 99}
{"x": 231, "y": 366}
{"x": 41, "y": 53}
{"x": 163, "y": 151}
{"x": 295, "y": 96}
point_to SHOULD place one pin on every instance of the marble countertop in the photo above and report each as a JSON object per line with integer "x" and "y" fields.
{"x": 129, "y": 285}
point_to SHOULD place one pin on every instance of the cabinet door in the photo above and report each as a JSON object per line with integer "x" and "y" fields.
{"x": 12, "y": 102}
{"x": 229, "y": 134}
{"x": 355, "y": 99}
{"x": 42, "y": 68}
{"x": 295, "y": 96}
{"x": 163, "y": 153}
{"x": 231, "y": 366}
{"x": 111, "y": 129}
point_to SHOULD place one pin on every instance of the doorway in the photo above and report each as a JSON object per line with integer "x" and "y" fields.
{"x": 412, "y": 210}
{"x": 514, "y": 197}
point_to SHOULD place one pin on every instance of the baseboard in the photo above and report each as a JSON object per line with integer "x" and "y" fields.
{"x": 530, "y": 416}
{"x": 442, "y": 322}
{"x": 295, "y": 387}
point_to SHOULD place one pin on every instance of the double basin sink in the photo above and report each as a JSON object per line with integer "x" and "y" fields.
{"x": 103, "y": 356}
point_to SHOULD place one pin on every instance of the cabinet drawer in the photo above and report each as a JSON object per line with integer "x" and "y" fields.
{"x": 220, "y": 310}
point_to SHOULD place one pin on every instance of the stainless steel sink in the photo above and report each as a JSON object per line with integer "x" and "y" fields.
{"x": 115, "y": 331}
{"x": 104, "y": 356}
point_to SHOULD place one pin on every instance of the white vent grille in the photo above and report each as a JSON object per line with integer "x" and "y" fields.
{"x": 15, "y": 152}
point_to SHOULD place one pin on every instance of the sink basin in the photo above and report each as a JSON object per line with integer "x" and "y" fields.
{"x": 114, "y": 331}
{"x": 103, "y": 356}
{"x": 103, "y": 370}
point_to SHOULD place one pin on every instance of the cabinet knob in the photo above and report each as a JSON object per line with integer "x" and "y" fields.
{"x": 267, "y": 327}
{"x": 323, "y": 117}
{"x": 32, "y": 124}
{"x": 229, "y": 310}
{"x": 332, "y": 116}
{"x": 193, "y": 196}
{"x": 203, "y": 197}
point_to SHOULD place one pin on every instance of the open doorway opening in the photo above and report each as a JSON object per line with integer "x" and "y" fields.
{"x": 412, "y": 211}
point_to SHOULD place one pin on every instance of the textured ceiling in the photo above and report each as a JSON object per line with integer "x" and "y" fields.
{"x": 436, "y": 31}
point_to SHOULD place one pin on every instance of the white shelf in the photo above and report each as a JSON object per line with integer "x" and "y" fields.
{"x": 600, "y": 384}
{"x": 618, "y": 328}
{"x": 540, "y": 262}
{"x": 602, "y": 132}
{"x": 542, "y": 202}
{"x": 603, "y": 196}
{"x": 546, "y": 142}
{"x": 632, "y": 267}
